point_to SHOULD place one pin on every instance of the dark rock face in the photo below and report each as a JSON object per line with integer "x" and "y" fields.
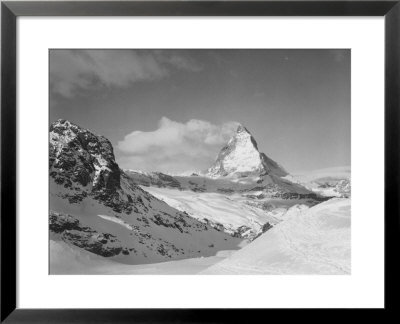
{"x": 93, "y": 242}
{"x": 218, "y": 226}
{"x": 226, "y": 190}
{"x": 280, "y": 192}
{"x": 82, "y": 156}
{"x": 73, "y": 232}
{"x": 168, "y": 180}
{"x": 267, "y": 226}
{"x": 157, "y": 179}
{"x": 84, "y": 163}
{"x": 197, "y": 188}
{"x": 271, "y": 166}
{"x": 241, "y": 231}
{"x": 62, "y": 222}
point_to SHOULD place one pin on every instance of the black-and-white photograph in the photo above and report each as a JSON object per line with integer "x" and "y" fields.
{"x": 200, "y": 161}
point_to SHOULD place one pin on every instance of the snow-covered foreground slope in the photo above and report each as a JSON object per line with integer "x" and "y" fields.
{"x": 307, "y": 241}
{"x": 312, "y": 240}
{"x": 67, "y": 259}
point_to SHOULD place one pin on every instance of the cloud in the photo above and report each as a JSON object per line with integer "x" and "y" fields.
{"x": 74, "y": 71}
{"x": 174, "y": 146}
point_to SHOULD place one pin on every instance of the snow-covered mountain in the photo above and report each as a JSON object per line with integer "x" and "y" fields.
{"x": 240, "y": 157}
{"x": 95, "y": 206}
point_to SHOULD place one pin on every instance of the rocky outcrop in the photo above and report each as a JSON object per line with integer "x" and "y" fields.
{"x": 84, "y": 163}
{"x": 83, "y": 157}
{"x": 156, "y": 179}
{"x": 243, "y": 231}
{"x": 266, "y": 227}
{"x": 73, "y": 232}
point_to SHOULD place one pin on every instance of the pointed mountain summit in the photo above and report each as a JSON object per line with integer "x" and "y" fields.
{"x": 241, "y": 157}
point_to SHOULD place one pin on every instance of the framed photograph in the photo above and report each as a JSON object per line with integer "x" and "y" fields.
{"x": 161, "y": 159}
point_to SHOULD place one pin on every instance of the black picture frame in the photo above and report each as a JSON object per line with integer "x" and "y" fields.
{"x": 9, "y": 13}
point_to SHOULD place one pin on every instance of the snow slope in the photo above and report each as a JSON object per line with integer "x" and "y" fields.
{"x": 312, "y": 240}
{"x": 308, "y": 241}
{"x": 232, "y": 213}
{"x": 67, "y": 259}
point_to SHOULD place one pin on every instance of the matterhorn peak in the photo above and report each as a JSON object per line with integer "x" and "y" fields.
{"x": 241, "y": 129}
{"x": 240, "y": 157}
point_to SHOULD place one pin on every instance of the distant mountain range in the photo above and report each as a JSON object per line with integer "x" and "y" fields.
{"x": 329, "y": 182}
{"x": 239, "y": 167}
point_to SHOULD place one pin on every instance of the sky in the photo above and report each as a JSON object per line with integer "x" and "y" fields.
{"x": 173, "y": 110}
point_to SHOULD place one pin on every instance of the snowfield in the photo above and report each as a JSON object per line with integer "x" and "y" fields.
{"x": 67, "y": 259}
{"x": 230, "y": 211}
{"x": 312, "y": 240}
